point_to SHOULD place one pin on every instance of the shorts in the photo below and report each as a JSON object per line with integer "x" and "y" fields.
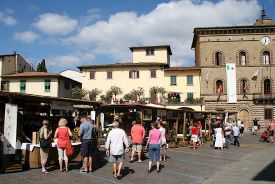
{"x": 116, "y": 158}
{"x": 194, "y": 138}
{"x": 62, "y": 154}
{"x": 137, "y": 147}
{"x": 86, "y": 149}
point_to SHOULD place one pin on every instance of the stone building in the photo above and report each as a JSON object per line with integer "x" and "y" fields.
{"x": 251, "y": 48}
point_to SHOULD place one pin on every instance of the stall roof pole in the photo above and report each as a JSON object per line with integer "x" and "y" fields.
{"x": 184, "y": 128}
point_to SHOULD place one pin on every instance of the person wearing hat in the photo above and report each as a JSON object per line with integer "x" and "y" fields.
{"x": 115, "y": 148}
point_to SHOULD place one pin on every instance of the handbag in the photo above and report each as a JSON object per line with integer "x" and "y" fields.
{"x": 223, "y": 140}
{"x": 44, "y": 143}
{"x": 69, "y": 148}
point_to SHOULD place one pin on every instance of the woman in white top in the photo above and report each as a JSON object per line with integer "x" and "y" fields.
{"x": 219, "y": 137}
{"x": 163, "y": 141}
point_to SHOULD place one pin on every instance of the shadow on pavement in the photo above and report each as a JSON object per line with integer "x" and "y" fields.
{"x": 267, "y": 174}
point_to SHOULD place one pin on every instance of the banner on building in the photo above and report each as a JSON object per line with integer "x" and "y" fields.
{"x": 231, "y": 83}
{"x": 10, "y": 128}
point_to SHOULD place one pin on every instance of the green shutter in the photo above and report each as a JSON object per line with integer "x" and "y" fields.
{"x": 8, "y": 85}
{"x": 189, "y": 79}
{"x": 47, "y": 85}
{"x": 22, "y": 86}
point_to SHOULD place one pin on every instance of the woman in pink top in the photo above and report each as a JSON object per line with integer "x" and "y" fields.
{"x": 154, "y": 142}
{"x": 62, "y": 134}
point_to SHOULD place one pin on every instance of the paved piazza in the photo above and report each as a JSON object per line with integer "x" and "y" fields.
{"x": 253, "y": 162}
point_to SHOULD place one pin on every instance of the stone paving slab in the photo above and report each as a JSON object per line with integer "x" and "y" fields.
{"x": 184, "y": 165}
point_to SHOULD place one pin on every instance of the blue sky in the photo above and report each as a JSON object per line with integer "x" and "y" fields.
{"x": 69, "y": 33}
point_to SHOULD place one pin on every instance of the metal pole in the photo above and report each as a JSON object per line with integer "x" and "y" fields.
{"x": 184, "y": 128}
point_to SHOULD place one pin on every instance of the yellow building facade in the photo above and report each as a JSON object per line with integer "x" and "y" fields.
{"x": 150, "y": 68}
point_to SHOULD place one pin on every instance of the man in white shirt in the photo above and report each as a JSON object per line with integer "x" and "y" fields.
{"x": 236, "y": 133}
{"x": 115, "y": 148}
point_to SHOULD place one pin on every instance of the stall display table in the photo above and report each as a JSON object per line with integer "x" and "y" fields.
{"x": 31, "y": 154}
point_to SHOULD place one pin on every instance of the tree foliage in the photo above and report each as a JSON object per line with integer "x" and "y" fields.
{"x": 93, "y": 93}
{"x": 115, "y": 91}
{"x": 41, "y": 67}
{"x": 78, "y": 93}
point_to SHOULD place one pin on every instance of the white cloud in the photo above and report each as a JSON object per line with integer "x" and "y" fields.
{"x": 55, "y": 24}
{"x": 27, "y": 36}
{"x": 6, "y": 18}
{"x": 91, "y": 16}
{"x": 70, "y": 60}
{"x": 169, "y": 23}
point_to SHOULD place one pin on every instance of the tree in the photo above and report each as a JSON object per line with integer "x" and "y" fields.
{"x": 137, "y": 93}
{"x": 93, "y": 93}
{"x": 115, "y": 91}
{"x": 128, "y": 96}
{"x": 154, "y": 91}
{"x": 107, "y": 96}
{"x": 78, "y": 93}
{"x": 41, "y": 67}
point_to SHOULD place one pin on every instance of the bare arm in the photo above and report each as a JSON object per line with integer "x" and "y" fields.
{"x": 56, "y": 133}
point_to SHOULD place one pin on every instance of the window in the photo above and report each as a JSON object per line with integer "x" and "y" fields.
{"x": 109, "y": 74}
{"x": 218, "y": 58}
{"x": 47, "y": 85}
{"x": 134, "y": 74}
{"x": 67, "y": 85}
{"x": 266, "y": 58}
{"x": 219, "y": 87}
{"x": 189, "y": 79}
{"x": 150, "y": 52}
{"x": 173, "y": 80}
{"x": 190, "y": 95}
{"x": 153, "y": 73}
{"x": 243, "y": 87}
{"x": 22, "y": 86}
{"x": 267, "y": 87}
{"x": 268, "y": 114}
{"x": 242, "y": 58}
{"x": 5, "y": 85}
{"x": 92, "y": 74}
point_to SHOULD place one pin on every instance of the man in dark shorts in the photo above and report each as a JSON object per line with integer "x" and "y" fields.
{"x": 86, "y": 150}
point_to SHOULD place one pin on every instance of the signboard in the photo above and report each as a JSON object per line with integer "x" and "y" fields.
{"x": 93, "y": 115}
{"x": 57, "y": 105}
{"x": 10, "y": 128}
{"x": 102, "y": 121}
{"x": 231, "y": 83}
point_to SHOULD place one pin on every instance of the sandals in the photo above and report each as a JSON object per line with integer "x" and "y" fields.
{"x": 119, "y": 176}
{"x": 45, "y": 172}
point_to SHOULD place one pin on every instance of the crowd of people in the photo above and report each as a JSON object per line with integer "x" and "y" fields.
{"x": 118, "y": 144}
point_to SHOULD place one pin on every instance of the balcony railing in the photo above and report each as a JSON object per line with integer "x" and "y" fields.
{"x": 190, "y": 101}
{"x": 260, "y": 98}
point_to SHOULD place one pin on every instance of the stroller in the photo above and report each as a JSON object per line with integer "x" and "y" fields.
{"x": 265, "y": 137}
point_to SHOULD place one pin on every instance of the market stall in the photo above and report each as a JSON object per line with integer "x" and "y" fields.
{"x": 22, "y": 115}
